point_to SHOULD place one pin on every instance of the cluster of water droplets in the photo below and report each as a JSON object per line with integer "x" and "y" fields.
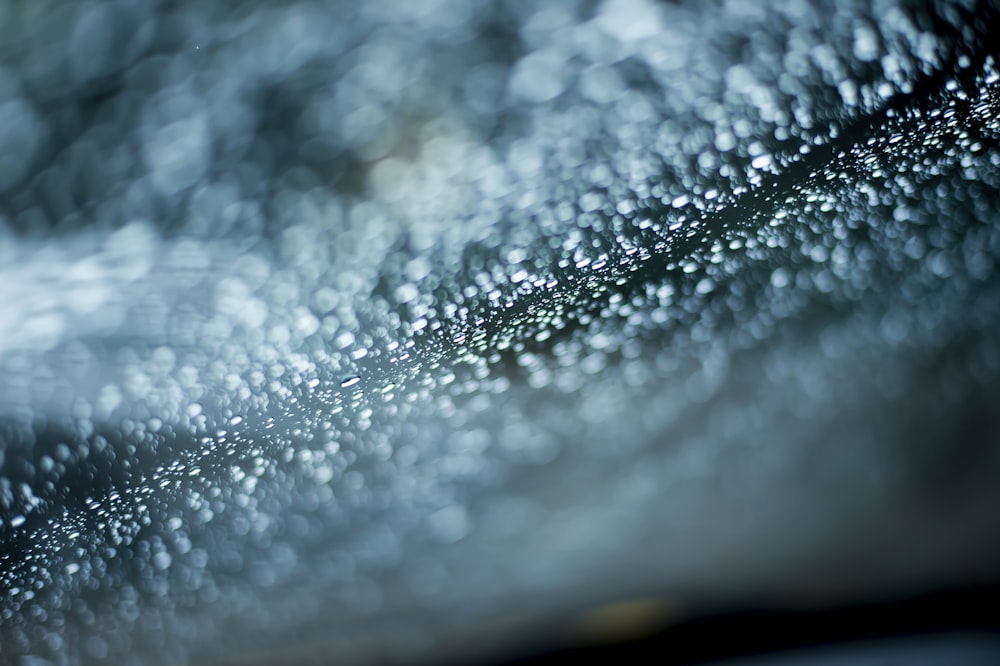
{"x": 410, "y": 313}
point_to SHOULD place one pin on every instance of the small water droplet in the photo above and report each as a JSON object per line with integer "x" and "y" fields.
{"x": 162, "y": 560}
{"x": 350, "y": 381}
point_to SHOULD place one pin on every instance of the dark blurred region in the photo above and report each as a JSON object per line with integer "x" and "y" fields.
{"x": 960, "y": 627}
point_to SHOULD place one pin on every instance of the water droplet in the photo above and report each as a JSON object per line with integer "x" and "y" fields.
{"x": 162, "y": 560}
{"x": 350, "y": 381}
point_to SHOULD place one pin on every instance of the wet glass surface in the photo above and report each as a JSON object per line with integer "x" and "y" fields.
{"x": 379, "y": 330}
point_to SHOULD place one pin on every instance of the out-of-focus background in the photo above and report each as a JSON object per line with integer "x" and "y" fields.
{"x": 468, "y": 331}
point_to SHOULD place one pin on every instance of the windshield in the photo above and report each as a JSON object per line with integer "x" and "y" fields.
{"x": 381, "y": 331}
